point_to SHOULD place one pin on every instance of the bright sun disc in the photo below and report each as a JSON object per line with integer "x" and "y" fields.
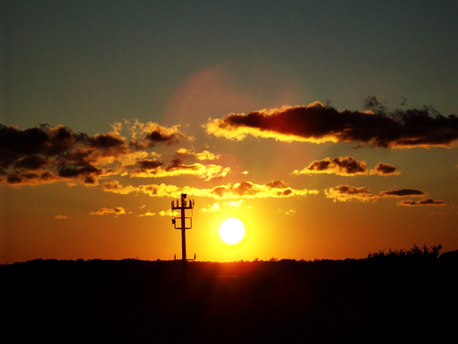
{"x": 232, "y": 231}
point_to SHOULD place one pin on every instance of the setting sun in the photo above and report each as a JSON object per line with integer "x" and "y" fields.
{"x": 232, "y": 231}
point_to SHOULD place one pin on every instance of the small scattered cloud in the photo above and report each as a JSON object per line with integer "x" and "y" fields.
{"x": 105, "y": 211}
{"x": 153, "y": 168}
{"x": 206, "y": 155}
{"x": 423, "y": 202}
{"x": 61, "y": 217}
{"x": 215, "y": 207}
{"x": 206, "y": 172}
{"x": 147, "y": 135}
{"x": 344, "y": 166}
{"x": 148, "y": 213}
{"x": 115, "y": 187}
{"x": 234, "y": 204}
{"x": 287, "y": 212}
{"x": 344, "y": 193}
{"x": 383, "y": 169}
{"x": 168, "y": 212}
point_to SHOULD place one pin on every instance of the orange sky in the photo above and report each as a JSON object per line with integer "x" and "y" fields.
{"x": 108, "y": 113}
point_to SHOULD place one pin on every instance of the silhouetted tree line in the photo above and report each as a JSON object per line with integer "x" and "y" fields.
{"x": 377, "y": 299}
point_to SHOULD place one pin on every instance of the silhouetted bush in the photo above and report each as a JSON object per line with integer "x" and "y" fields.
{"x": 414, "y": 252}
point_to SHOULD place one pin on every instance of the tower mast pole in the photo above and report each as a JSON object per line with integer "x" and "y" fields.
{"x": 183, "y": 236}
{"x": 182, "y": 205}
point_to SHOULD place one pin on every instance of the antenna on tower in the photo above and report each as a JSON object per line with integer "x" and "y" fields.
{"x": 183, "y": 222}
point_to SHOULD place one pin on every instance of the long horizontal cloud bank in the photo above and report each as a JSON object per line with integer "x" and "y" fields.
{"x": 273, "y": 189}
{"x": 317, "y": 123}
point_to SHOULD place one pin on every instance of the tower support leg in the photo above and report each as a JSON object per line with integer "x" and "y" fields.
{"x": 183, "y": 253}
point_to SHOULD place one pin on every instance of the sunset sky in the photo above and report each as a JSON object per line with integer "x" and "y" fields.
{"x": 328, "y": 127}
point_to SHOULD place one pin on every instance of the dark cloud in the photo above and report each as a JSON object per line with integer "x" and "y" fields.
{"x": 116, "y": 187}
{"x": 276, "y": 184}
{"x": 426, "y": 201}
{"x": 279, "y": 184}
{"x": 31, "y": 178}
{"x": 32, "y": 162}
{"x": 47, "y": 154}
{"x": 70, "y": 172}
{"x": 88, "y": 170}
{"x": 177, "y": 164}
{"x": 113, "y": 186}
{"x": 106, "y": 141}
{"x": 371, "y": 103}
{"x": 344, "y": 193}
{"x": 345, "y": 166}
{"x": 402, "y": 193}
{"x": 164, "y": 137}
{"x": 383, "y": 169}
{"x": 147, "y": 166}
{"x": 152, "y": 168}
{"x": 158, "y": 134}
{"x": 16, "y": 143}
{"x": 239, "y": 189}
{"x": 61, "y": 139}
{"x": 376, "y": 127}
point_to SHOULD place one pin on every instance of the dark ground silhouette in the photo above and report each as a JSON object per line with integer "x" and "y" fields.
{"x": 378, "y": 299}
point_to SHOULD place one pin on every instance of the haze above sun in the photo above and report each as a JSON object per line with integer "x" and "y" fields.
{"x": 232, "y": 231}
